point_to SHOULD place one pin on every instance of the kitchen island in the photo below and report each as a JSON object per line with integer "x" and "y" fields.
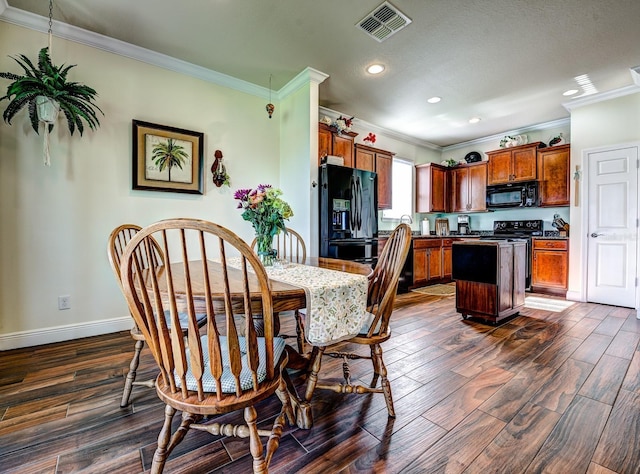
{"x": 490, "y": 278}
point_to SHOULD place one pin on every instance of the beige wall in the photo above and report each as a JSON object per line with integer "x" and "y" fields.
{"x": 54, "y": 222}
{"x": 607, "y": 123}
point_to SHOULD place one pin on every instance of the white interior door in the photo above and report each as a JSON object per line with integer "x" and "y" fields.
{"x": 612, "y": 226}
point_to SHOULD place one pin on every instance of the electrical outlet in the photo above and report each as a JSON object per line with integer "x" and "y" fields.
{"x": 64, "y": 302}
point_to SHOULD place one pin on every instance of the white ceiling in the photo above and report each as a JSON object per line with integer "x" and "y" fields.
{"x": 505, "y": 61}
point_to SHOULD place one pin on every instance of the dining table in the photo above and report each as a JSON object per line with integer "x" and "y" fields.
{"x": 332, "y": 292}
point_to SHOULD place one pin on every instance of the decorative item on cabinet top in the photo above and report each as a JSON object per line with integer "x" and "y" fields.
{"x": 472, "y": 157}
{"x": 513, "y": 140}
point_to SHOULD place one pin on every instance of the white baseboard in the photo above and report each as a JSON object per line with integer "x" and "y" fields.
{"x": 574, "y": 296}
{"x": 38, "y": 337}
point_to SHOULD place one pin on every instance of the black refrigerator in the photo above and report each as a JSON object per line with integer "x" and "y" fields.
{"x": 348, "y": 214}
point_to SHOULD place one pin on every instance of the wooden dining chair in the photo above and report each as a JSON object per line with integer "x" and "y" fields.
{"x": 291, "y": 247}
{"x": 118, "y": 240}
{"x": 381, "y": 295}
{"x": 218, "y": 372}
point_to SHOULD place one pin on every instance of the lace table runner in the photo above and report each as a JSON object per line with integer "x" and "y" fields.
{"x": 336, "y": 301}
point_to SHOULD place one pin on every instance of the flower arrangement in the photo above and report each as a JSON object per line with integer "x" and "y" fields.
{"x": 266, "y": 211}
{"x": 371, "y": 138}
{"x": 343, "y": 124}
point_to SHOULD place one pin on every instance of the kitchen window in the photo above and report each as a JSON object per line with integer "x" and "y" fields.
{"x": 402, "y": 190}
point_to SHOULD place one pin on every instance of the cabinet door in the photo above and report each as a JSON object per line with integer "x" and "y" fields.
{"x": 366, "y": 160}
{"x": 343, "y": 146}
{"x": 434, "y": 263}
{"x": 550, "y": 269}
{"x": 459, "y": 189}
{"x": 325, "y": 143}
{"x": 419, "y": 266}
{"x": 524, "y": 165}
{"x": 499, "y": 167}
{"x": 553, "y": 176}
{"x": 447, "y": 261}
{"x": 478, "y": 187}
{"x": 384, "y": 167}
{"x": 431, "y": 185}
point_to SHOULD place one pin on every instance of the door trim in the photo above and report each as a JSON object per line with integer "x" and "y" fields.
{"x": 584, "y": 215}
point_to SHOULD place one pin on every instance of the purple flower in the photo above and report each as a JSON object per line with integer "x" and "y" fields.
{"x": 242, "y": 194}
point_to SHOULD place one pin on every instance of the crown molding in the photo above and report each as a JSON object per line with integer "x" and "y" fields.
{"x": 493, "y": 138}
{"x": 334, "y": 114}
{"x": 306, "y": 76}
{"x": 78, "y": 35}
{"x": 579, "y": 102}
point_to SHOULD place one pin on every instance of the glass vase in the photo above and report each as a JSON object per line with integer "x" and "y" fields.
{"x": 266, "y": 252}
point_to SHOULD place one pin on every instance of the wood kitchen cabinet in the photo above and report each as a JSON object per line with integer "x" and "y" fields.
{"x": 553, "y": 175}
{"x": 511, "y": 165}
{"x": 550, "y": 266}
{"x": 468, "y": 187}
{"x": 380, "y": 161}
{"x": 431, "y": 188}
{"x": 427, "y": 261}
{"x": 330, "y": 142}
{"x": 447, "y": 245}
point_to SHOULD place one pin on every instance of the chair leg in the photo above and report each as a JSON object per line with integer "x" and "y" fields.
{"x": 255, "y": 445}
{"x": 376, "y": 356}
{"x": 167, "y": 442}
{"x": 161, "y": 454}
{"x": 131, "y": 376}
{"x": 299, "y": 331}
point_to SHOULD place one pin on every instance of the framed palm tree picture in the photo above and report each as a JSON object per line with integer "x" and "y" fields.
{"x": 167, "y": 158}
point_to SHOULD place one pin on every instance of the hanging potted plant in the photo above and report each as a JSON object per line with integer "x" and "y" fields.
{"x": 45, "y": 89}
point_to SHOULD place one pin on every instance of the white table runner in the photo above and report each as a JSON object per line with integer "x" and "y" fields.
{"x": 336, "y": 301}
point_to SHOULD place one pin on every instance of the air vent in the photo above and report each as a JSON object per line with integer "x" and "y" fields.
{"x": 383, "y": 22}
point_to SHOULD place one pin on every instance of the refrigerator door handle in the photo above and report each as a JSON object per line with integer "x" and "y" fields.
{"x": 359, "y": 204}
{"x": 352, "y": 214}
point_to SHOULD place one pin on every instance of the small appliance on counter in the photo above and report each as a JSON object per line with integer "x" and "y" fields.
{"x": 463, "y": 224}
{"x": 442, "y": 226}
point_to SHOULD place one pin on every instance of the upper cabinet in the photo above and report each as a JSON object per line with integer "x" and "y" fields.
{"x": 468, "y": 187}
{"x": 510, "y": 165}
{"x": 380, "y": 161}
{"x": 431, "y": 188}
{"x": 553, "y": 175}
{"x": 331, "y": 142}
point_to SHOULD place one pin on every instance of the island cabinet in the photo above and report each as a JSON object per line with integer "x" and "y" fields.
{"x": 490, "y": 278}
{"x": 550, "y": 266}
{"x": 380, "y": 161}
{"x": 468, "y": 188}
{"x": 330, "y": 142}
{"x": 431, "y": 188}
{"x": 553, "y": 175}
{"x": 511, "y": 165}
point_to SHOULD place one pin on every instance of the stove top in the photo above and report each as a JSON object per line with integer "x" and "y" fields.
{"x": 525, "y": 228}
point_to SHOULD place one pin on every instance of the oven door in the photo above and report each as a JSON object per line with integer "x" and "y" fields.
{"x": 499, "y": 197}
{"x": 358, "y": 250}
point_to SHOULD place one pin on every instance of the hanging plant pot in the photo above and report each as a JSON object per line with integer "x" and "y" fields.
{"x": 47, "y": 108}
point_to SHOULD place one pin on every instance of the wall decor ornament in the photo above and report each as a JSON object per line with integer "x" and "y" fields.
{"x": 219, "y": 171}
{"x": 270, "y": 107}
{"x": 167, "y": 158}
{"x": 45, "y": 90}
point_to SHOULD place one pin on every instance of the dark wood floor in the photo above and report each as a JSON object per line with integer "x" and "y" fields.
{"x": 546, "y": 391}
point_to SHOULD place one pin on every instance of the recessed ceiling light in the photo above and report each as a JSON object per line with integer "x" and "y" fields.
{"x": 434, "y": 100}
{"x": 570, "y": 92}
{"x": 474, "y": 119}
{"x": 375, "y": 69}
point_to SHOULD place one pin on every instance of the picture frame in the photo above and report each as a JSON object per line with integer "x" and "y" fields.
{"x": 167, "y": 159}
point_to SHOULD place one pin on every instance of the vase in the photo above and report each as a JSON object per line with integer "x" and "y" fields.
{"x": 266, "y": 252}
{"x": 47, "y": 109}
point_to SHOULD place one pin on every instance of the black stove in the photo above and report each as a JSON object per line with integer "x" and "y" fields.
{"x": 524, "y": 230}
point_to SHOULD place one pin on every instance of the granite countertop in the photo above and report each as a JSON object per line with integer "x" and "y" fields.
{"x": 417, "y": 234}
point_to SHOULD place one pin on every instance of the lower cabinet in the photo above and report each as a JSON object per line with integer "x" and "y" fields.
{"x": 550, "y": 268}
{"x": 427, "y": 261}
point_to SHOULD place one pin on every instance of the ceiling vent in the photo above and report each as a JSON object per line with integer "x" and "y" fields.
{"x": 384, "y": 21}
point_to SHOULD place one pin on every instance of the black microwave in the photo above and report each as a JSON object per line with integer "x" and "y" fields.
{"x": 512, "y": 195}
